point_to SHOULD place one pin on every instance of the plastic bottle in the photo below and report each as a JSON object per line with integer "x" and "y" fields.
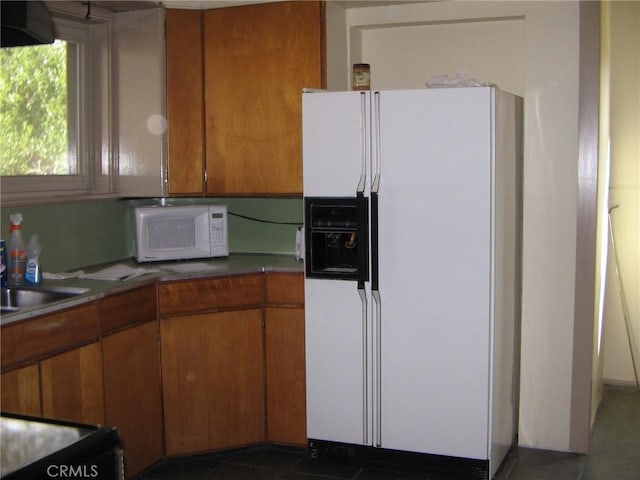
{"x": 33, "y": 272}
{"x": 16, "y": 252}
{"x": 3, "y": 263}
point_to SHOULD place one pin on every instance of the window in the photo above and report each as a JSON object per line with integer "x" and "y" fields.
{"x": 36, "y": 113}
{"x": 52, "y": 139}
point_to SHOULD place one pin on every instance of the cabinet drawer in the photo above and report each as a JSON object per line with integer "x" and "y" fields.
{"x": 219, "y": 293}
{"x": 128, "y": 309}
{"x": 285, "y": 289}
{"x": 42, "y": 336}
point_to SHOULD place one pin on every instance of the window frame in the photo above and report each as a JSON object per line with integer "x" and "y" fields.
{"x": 93, "y": 130}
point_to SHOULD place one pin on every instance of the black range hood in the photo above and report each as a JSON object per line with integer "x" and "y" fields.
{"x": 25, "y": 23}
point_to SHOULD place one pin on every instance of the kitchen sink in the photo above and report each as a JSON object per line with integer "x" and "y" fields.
{"x": 14, "y": 298}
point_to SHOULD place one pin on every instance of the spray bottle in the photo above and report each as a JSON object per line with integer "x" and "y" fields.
{"x": 33, "y": 272}
{"x": 16, "y": 252}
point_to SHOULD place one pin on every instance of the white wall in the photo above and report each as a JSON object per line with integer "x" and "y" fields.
{"x": 540, "y": 63}
{"x": 602, "y": 228}
{"x": 490, "y": 50}
{"x": 624, "y": 191}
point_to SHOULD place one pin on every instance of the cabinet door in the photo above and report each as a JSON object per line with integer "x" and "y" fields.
{"x": 257, "y": 60}
{"x": 286, "y": 399}
{"x": 72, "y": 386}
{"x": 139, "y": 76}
{"x": 21, "y": 391}
{"x": 213, "y": 380}
{"x": 133, "y": 394}
{"x": 184, "y": 102}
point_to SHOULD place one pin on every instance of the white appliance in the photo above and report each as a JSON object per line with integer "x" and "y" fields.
{"x": 181, "y": 232}
{"x": 412, "y": 278}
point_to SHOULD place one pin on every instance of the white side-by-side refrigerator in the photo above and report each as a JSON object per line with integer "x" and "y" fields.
{"x": 412, "y": 283}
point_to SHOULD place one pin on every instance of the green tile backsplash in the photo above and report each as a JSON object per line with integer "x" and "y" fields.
{"x": 77, "y": 235}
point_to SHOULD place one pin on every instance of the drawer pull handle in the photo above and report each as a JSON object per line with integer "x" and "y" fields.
{"x": 45, "y": 326}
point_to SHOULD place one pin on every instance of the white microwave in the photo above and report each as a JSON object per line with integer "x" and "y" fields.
{"x": 181, "y": 232}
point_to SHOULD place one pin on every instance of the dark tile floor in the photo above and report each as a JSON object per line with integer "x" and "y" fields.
{"x": 614, "y": 455}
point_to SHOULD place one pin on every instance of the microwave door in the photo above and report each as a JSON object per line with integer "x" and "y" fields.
{"x": 172, "y": 233}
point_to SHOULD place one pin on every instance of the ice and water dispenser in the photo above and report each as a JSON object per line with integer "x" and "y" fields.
{"x": 336, "y": 238}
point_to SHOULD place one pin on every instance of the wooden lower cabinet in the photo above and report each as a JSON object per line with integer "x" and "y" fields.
{"x": 133, "y": 393}
{"x": 72, "y": 386}
{"x": 228, "y": 373}
{"x": 213, "y": 380}
{"x": 285, "y": 358}
{"x": 21, "y": 391}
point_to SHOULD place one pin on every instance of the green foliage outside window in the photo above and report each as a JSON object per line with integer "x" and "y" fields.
{"x": 33, "y": 110}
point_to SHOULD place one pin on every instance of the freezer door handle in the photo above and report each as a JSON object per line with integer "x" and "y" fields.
{"x": 364, "y": 125}
{"x": 377, "y": 167}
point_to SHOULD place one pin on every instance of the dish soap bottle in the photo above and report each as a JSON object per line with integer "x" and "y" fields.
{"x": 33, "y": 272}
{"x": 16, "y": 251}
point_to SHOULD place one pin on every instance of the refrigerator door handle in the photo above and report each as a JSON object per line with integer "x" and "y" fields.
{"x": 364, "y": 126}
{"x": 377, "y": 349}
{"x": 375, "y": 185}
{"x": 378, "y": 369}
{"x": 365, "y": 369}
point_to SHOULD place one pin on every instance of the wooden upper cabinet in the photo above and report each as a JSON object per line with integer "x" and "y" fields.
{"x": 184, "y": 102}
{"x": 257, "y": 60}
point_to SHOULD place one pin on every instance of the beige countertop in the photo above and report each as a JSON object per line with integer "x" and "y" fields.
{"x": 235, "y": 264}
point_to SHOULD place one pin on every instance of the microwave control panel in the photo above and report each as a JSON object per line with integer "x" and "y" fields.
{"x": 218, "y": 236}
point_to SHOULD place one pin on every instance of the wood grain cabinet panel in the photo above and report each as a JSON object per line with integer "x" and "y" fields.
{"x": 285, "y": 358}
{"x": 213, "y": 381}
{"x": 284, "y": 289}
{"x": 30, "y": 340}
{"x": 72, "y": 386}
{"x": 214, "y": 293}
{"x": 133, "y": 393}
{"x": 127, "y": 309}
{"x": 234, "y": 109}
{"x": 286, "y": 388}
{"x": 257, "y": 60}
{"x": 185, "y": 117}
{"x": 21, "y": 391}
